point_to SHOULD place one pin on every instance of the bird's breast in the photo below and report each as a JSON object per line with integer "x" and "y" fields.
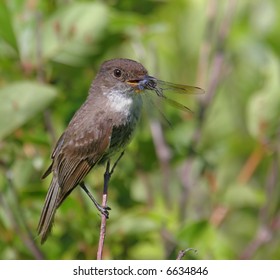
{"x": 125, "y": 116}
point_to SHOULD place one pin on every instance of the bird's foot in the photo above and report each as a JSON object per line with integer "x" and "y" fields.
{"x": 104, "y": 210}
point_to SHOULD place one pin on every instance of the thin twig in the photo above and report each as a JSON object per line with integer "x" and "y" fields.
{"x": 182, "y": 253}
{"x": 164, "y": 155}
{"x": 107, "y": 175}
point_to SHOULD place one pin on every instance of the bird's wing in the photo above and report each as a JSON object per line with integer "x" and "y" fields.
{"x": 76, "y": 157}
{"x": 55, "y": 151}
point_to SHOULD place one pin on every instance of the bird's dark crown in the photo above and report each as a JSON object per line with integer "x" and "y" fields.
{"x": 123, "y": 69}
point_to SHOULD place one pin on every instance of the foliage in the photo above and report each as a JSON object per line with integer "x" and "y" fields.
{"x": 208, "y": 182}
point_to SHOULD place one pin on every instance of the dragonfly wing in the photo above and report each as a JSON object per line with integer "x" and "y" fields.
{"x": 177, "y": 104}
{"x": 176, "y": 88}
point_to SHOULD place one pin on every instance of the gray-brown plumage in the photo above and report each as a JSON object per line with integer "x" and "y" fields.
{"x": 101, "y": 127}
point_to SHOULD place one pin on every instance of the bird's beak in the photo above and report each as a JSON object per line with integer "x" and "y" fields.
{"x": 134, "y": 84}
{"x": 139, "y": 85}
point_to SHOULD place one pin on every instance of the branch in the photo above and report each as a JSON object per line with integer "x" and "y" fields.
{"x": 107, "y": 176}
{"x": 182, "y": 253}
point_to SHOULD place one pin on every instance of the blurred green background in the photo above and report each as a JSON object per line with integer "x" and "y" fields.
{"x": 210, "y": 181}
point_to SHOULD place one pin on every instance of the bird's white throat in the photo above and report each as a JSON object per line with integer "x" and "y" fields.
{"x": 123, "y": 102}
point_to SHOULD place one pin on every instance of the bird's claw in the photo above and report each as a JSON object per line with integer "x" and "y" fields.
{"x": 105, "y": 211}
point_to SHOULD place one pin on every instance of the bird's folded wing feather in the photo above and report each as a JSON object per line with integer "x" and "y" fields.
{"x": 73, "y": 159}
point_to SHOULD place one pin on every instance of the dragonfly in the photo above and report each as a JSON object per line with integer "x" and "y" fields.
{"x": 161, "y": 88}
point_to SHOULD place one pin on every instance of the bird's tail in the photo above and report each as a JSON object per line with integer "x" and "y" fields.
{"x": 50, "y": 206}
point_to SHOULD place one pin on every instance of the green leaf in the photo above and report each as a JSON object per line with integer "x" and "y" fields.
{"x": 69, "y": 35}
{"x": 238, "y": 196}
{"x": 6, "y": 30}
{"x": 20, "y": 102}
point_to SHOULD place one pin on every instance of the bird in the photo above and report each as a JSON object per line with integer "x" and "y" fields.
{"x": 102, "y": 127}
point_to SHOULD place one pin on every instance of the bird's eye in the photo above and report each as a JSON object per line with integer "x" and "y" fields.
{"x": 117, "y": 73}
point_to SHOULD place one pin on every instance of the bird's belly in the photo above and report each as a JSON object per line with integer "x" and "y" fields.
{"x": 121, "y": 136}
{"x": 123, "y": 132}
